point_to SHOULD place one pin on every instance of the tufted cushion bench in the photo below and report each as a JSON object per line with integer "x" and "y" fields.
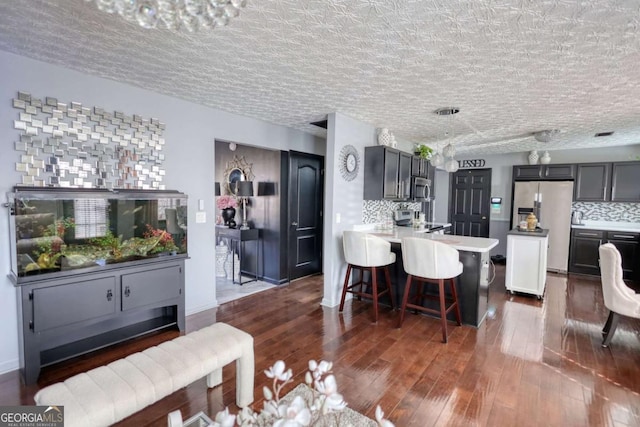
{"x": 108, "y": 394}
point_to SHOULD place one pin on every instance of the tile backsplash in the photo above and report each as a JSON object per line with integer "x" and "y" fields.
{"x": 598, "y": 211}
{"x": 374, "y": 211}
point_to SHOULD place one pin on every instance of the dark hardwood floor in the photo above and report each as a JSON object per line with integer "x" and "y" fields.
{"x": 531, "y": 363}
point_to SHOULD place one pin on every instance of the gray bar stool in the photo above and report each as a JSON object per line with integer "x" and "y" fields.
{"x": 428, "y": 261}
{"x": 367, "y": 253}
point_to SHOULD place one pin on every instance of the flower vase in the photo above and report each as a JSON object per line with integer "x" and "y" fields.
{"x": 533, "y": 157}
{"x": 227, "y": 215}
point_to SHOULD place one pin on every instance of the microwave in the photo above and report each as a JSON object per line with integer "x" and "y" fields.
{"x": 420, "y": 189}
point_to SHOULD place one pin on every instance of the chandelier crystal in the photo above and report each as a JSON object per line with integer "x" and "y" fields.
{"x": 175, "y": 15}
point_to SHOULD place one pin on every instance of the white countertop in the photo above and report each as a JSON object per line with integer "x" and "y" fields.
{"x": 461, "y": 243}
{"x": 632, "y": 227}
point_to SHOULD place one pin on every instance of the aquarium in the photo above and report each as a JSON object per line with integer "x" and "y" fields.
{"x": 54, "y": 230}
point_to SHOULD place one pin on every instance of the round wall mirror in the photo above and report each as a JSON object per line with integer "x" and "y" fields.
{"x": 234, "y": 176}
{"x": 237, "y": 170}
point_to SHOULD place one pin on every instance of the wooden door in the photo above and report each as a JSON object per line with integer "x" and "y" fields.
{"x": 469, "y": 206}
{"x": 305, "y": 214}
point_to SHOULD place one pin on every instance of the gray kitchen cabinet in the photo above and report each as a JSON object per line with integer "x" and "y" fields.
{"x": 544, "y": 172}
{"x": 419, "y": 166}
{"x": 593, "y": 182}
{"x": 583, "y": 254}
{"x": 527, "y": 172}
{"x": 628, "y": 244}
{"x": 559, "y": 171}
{"x": 584, "y": 257}
{"x": 625, "y": 182}
{"x": 387, "y": 173}
{"x": 68, "y": 316}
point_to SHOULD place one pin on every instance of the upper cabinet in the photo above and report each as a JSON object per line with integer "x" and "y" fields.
{"x": 419, "y": 166}
{"x": 625, "y": 182}
{"x": 544, "y": 172}
{"x": 592, "y": 182}
{"x": 387, "y": 173}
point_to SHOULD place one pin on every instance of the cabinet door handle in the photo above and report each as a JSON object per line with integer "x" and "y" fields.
{"x": 622, "y": 236}
{"x": 294, "y": 224}
{"x": 109, "y": 295}
{"x": 589, "y": 234}
{"x": 127, "y": 291}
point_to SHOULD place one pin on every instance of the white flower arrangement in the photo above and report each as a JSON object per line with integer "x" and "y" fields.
{"x": 322, "y": 407}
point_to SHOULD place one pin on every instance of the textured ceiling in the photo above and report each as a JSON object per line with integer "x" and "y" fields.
{"x": 512, "y": 67}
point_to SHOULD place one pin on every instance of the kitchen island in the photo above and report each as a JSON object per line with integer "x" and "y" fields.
{"x": 472, "y": 285}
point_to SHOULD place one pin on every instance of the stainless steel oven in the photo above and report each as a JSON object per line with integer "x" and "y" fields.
{"x": 420, "y": 189}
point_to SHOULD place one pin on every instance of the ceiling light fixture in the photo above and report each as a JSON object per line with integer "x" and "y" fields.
{"x": 451, "y": 165}
{"x": 176, "y": 15}
{"x": 546, "y": 135}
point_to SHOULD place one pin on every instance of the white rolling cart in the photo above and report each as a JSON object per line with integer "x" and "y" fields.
{"x": 527, "y": 261}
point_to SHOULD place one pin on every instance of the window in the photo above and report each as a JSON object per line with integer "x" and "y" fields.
{"x": 90, "y": 217}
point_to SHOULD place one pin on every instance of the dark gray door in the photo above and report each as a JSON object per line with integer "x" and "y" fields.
{"x": 305, "y": 214}
{"x": 469, "y": 206}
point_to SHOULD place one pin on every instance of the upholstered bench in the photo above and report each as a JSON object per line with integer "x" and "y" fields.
{"x": 108, "y": 394}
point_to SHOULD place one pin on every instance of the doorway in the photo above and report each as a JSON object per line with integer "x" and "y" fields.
{"x": 469, "y": 202}
{"x": 305, "y": 214}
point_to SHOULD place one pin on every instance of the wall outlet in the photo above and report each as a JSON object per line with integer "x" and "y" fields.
{"x": 338, "y": 218}
{"x": 201, "y": 217}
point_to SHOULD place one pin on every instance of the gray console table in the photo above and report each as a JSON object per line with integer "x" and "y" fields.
{"x": 237, "y": 238}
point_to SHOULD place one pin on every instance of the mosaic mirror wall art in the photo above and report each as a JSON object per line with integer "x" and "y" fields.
{"x": 70, "y": 145}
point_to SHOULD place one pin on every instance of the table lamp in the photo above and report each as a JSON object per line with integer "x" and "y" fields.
{"x": 244, "y": 190}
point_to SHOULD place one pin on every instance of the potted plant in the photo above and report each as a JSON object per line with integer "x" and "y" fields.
{"x": 423, "y": 150}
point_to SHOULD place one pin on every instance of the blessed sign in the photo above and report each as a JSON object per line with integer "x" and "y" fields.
{"x": 474, "y": 163}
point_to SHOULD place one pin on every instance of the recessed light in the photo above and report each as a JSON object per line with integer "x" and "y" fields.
{"x": 603, "y": 134}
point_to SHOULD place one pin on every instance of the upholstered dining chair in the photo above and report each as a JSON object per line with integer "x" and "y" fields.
{"x": 618, "y": 297}
{"x": 428, "y": 261}
{"x": 366, "y": 252}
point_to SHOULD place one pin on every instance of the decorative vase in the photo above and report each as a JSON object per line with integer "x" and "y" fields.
{"x": 546, "y": 158}
{"x": 221, "y": 257}
{"x": 384, "y": 137}
{"x": 228, "y": 214}
{"x": 533, "y": 157}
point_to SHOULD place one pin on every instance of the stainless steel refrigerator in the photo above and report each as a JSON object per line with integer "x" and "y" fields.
{"x": 551, "y": 203}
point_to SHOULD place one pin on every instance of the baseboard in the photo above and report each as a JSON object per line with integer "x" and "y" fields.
{"x": 274, "y": 281}
{"x": 328, "y": 303}
{"x": 200, "y": 308}
{"x": 9, "y": 365}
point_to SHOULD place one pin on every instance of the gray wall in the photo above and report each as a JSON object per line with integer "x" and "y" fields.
{"x": 190, "y": 135}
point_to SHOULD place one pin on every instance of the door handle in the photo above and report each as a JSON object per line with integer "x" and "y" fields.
{"x": 294, "y": 224}
{"x": 109, "y": 295}
{"x": 484, "y": 217}
{"x": 127, "y": 291}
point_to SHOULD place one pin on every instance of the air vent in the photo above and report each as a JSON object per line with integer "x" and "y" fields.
{"x": 603, "y": 134}
{"x": 321, "y": 124}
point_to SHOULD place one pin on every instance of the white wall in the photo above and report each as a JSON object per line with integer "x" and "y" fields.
{"x": 190, "y": 133}
{"x": 341, "y": 198}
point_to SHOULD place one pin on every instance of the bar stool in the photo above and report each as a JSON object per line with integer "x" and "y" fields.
{"x": 428, "y": 261}
{"x": 365, "y": 252}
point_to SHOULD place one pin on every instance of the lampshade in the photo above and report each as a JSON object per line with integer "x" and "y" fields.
{"x": 245, "y": 188}
{"x": 217, "y": 188}
{"x": 266, "y": 188}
